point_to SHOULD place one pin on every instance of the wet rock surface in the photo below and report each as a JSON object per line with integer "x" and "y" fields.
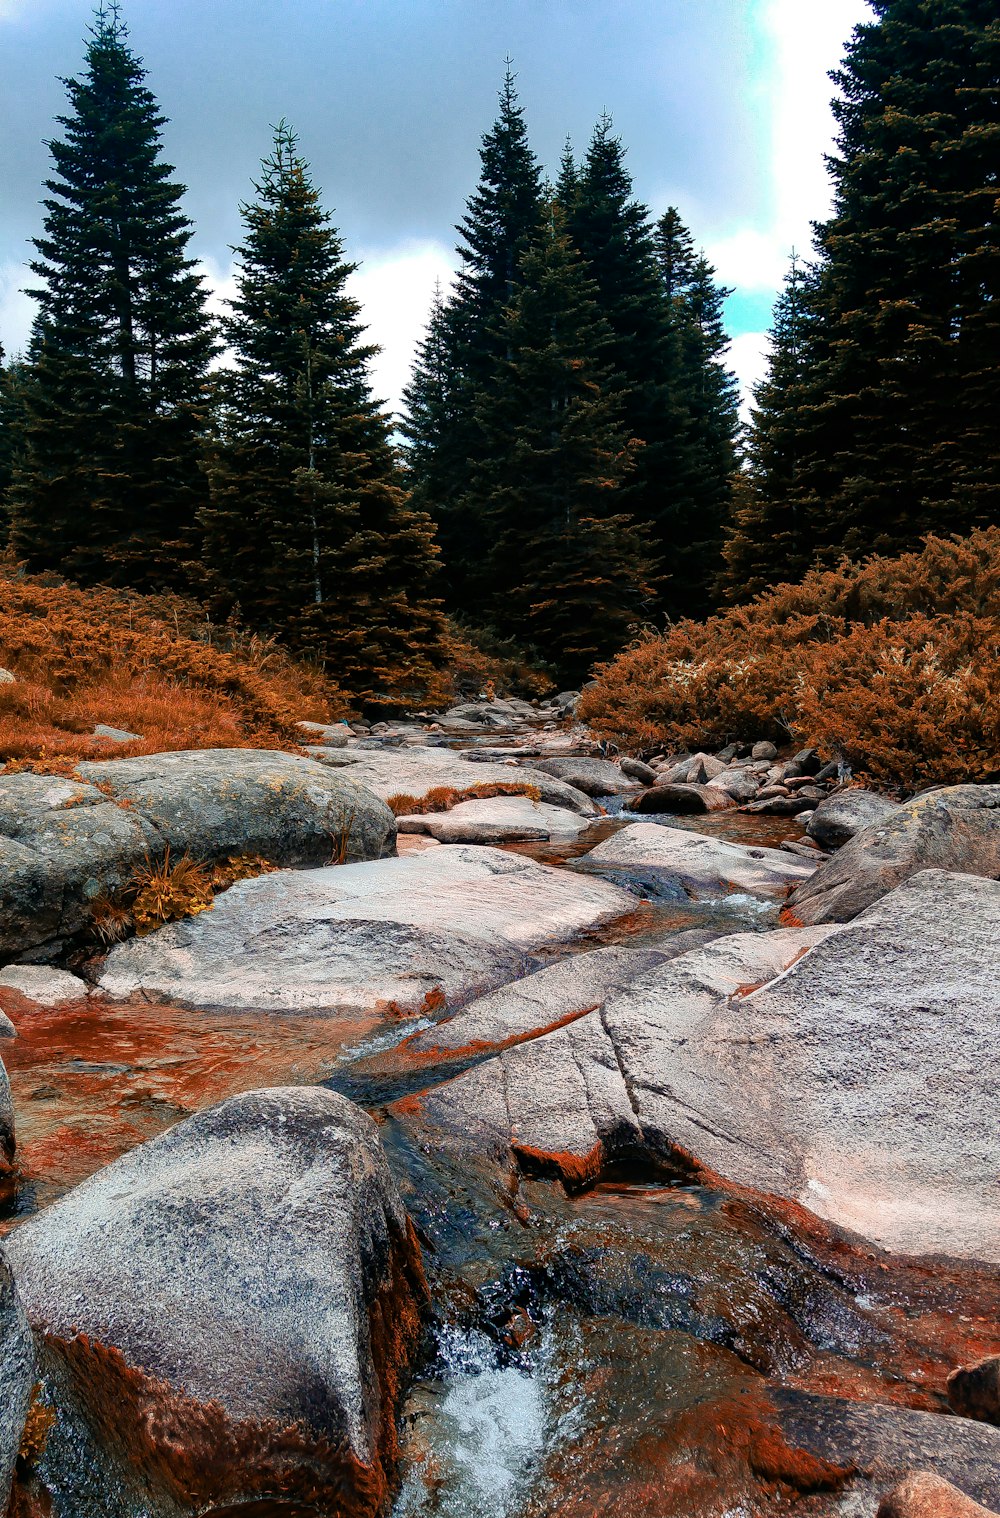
{"x": 456, "y": 921}
{"x": 699, "y": 864}
{"x": 498, "y": 819}
{"x": 224, "y": 1315}
{"x": 954, "y": 828}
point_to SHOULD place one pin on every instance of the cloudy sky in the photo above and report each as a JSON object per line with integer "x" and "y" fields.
{"x": 722, "y": 104}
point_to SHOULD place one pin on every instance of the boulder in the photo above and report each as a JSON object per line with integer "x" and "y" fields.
{"x": 956, "y": 828}
{"x": 741, "y": 784}
{"x": 500, "y": 819}
{"x": 349, "y": 938}
{"x": 417, "y": 771}
{"x": 682, "y": 800}
{"x": 225, "y": 1314}
{"x": 636, "y": 770}
{"x": 840, "y": 816}
{"x": 781, "y": 806}
{"x": 847, "y": 1070}
{"x": 327, "y": 734}
{"x": 64, "y": 843}
{"x": 17, "y": 1377}
{"x": 703, "y": 866}
{"x": 116, "y": 734}
{"x": 43, "y": 985}
{"x": 922, "y": 1495}
{"x": 974, "y": 1391}
{"x": 8, "y": 1143}
{"x": 595, "y": 777}
{"x": 763, "y": 751}
{"x": 6, "y": 678}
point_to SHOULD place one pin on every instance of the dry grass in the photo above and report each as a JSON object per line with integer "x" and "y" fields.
{"x": 441, "y": 798}
{"x": 147, "y": 665}
{"x": 169, "y": 890}
{"x": 892, "y": 666}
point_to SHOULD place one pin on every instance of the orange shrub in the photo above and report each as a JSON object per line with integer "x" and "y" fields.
{"x": 892, "y": 665}
{"x": 151, "y": 666}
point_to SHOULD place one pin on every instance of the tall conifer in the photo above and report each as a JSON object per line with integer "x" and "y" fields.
{"x": 567, "y": 567}
{"x": 115, "y": 403}
{"x": 310, "y": 531}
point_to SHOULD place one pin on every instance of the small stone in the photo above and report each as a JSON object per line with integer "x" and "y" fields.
{"x": 764, "y": 751}
{"x": 636, "y": 770}
{"x": 6, "y": 678}
{"x": 115, "y": 734}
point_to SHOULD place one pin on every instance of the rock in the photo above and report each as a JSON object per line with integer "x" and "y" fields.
{"x": 955, "y": 828}
{"x": 763, "y": 751}
{"x": 740, "y": 784}
{"x": 116, "y": 734}
{"x": 327, "y": 735}
{"x": 501, "y": 819}
{"x": 595, "y": 777}
{"x": 708, "y": 766}
{"x": 806, "y": 762}
{"x": 41, "y": 984}
{"x": 704, "y": 866}
{"x": 17, "y": 1377}
{"x": 227, "y": 1310}
{"x": 674, "y": 771}
{"x": 457, "y": 920}
{"x": 636, "y": 770}
{"x": 8, "y": 1143}
{"x": 682, "y": 800}
{"x": 845, "y": 813}
{"x": 781, "y": 806}
{"x": 6, "y": 678}
{"x": 64, "y": 843}
{"x": 418, "y": 771}
{"x": 974, "y": 1391}
{"x": 811, "y": 851}
{"x": 922, "y": 1495}
{"x": 846, "y": 1070}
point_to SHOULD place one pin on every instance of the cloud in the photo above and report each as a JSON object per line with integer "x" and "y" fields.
{"x": 17, "y": 310}
{"x": 747, "y": 358}
{"x": 395, "y": 287}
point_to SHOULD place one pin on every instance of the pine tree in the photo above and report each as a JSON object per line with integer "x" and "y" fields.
{"x": 310, "y": 532}
{"x": 569, "y": 568}
{"x": 8, "y": 439}
{"x": 111, "y": 475}
{"x": 896, "y": 430}
{"x": 501, "y": 217}
{"x": 767, "y": 540}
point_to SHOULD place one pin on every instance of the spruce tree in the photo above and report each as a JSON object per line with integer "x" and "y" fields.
{"x": 568, "y": 568}
{"x": 501, "y": 217}
{"x": 110, "y": 476}
{"x": 310, "y": 532}
{"x": 768, "y": 540}
{"x": 896, "y": 428}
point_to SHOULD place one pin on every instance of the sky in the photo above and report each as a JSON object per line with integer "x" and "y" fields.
{"x": 723, "y": 106}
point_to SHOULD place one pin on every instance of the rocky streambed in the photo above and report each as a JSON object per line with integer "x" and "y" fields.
{"x": 677, "y": 1188}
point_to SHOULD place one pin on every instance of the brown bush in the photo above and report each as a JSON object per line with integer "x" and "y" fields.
{"x": 152, "y": 666}
{"x": 891, "y": 666}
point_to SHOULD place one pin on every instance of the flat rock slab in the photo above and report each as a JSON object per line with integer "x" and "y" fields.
{"x": 65, "y": 843}
{"x": 954, "y": 828}
{"x": 498, "y": 819}
{"x": 416, "y": 771}
{"x": 860, "y": 1078}
{"x": 244, "y": 1288}
{"x": 458, "y": 920}
{"x": 43, "y": 985}
{"x": 702, "y": 865}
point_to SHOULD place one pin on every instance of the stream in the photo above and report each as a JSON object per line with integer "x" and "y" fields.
{"x": 615, "y": 1352}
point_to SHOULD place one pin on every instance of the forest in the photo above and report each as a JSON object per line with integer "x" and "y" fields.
{"x": 569, "y": 489}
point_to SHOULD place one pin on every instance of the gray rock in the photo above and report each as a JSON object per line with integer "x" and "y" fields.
{"x": 764, "y": 751}
{"x": 923, "y": 1495}
{"x": 781, "y": 806}
{"x": 974, "y": 1391}
{"x": 681, "y": 800}
{"x": 416, "y": 771}
{"x": 704, "y": 866}
{"x": 8, "y": 1142}
{"x": 740, "y": 784}
{"x": 457, "y": 920}
{"x": 636, "y": 770}
{"x": 64, "y": 843}
{"x": 6, "y": 678}
{"x": 845, "y": 813}
{"x": 116, "y": 734}
{"x": 595, "y": 777}
{"x": 245, "y": 1288}
{"x": 17, "y": 1376}
{"x": 327, "y": 734}
{"x": 955, "y": 828}
{"x": 858, "y": 1080}
{"x": 41, "y": 984}
{"x": 500, "y": 819}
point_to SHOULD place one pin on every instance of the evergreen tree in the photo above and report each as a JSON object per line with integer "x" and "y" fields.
{"x": 310, "y": 531}
{"x": 501, "y": 217}
{"x": 110, "y": 475}
{"x": 767, "y": 540}
{"x": 8, "y": 439}
{"x": 568, "y": 567}
{"x": 896, "y": 428}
